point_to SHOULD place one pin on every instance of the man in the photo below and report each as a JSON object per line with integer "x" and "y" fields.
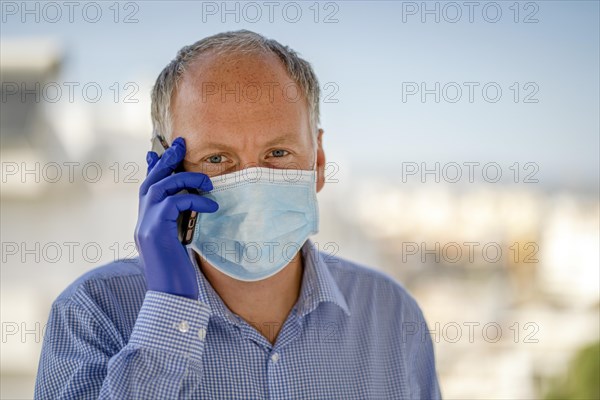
{"x": 235, "y": 315}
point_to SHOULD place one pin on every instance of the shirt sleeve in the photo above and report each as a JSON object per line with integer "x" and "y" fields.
{"x": 424, "y": 380}
{"x": 84, "y": 357}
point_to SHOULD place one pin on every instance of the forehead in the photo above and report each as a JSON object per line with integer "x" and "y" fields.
{"x": 234, "y": 87}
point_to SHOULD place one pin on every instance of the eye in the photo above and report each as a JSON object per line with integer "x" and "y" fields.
{"x": 216, "y": 159}
{"x": 279, "y": 153}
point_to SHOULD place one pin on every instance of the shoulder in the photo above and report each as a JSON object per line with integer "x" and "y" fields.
{"x": 114, "y": 277}
{"x": 115, "y": 290}
{"x": 368, "y": 288}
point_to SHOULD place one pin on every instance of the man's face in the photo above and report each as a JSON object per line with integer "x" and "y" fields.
{"x": 242, "y": 111}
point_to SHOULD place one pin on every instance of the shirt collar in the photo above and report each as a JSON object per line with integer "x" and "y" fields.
{"x": 317, "y": 286}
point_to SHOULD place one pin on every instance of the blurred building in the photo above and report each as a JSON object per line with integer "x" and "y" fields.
{"x": 30, "y": 70}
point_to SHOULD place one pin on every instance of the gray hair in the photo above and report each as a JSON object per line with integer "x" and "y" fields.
{"x": 240, "y": 42}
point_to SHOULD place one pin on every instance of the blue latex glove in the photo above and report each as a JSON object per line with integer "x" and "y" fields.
{"x": 166, "y": 262}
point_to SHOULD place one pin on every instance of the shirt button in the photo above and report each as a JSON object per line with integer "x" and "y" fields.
{"x": 275, "y": 357}
{"x": 201, "y": 333}
{"x": 183, "y": 326}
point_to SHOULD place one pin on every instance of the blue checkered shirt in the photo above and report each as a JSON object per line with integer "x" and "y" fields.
{"x": 354, "y": 333}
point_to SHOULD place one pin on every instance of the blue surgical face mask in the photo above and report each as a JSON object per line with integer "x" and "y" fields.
{"x": 265, "y": 215}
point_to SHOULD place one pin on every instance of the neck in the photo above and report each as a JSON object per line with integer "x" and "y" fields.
{"x": 264, "y": 304}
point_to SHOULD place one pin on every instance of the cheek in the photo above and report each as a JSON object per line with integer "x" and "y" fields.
{"x": 213, "y": 170}
{"x": 306, "y": 163}
{"x": 282, "y": 163}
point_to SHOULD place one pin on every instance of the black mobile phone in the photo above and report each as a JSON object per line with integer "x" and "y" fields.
{"x": 186, "y": 222}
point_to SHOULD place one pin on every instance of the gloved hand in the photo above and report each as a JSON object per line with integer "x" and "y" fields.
{"x": 165, "y": 260}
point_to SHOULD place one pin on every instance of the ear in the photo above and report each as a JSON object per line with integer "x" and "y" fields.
{"x": 320, "y": 161}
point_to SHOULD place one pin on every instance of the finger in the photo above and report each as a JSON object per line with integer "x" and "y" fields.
{"x": 151, "y": 158}
{"x": 174, "y": 205}
{"x": 178, "y": 182}
{"x": 165, "y": 166}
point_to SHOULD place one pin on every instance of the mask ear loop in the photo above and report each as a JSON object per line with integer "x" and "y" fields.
{"x": 314, "y": 168}
{"x": 315, "y": 172}
{"x": 316, "y": 145}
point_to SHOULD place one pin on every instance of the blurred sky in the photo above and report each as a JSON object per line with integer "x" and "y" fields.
{"x": 368, "y": 53}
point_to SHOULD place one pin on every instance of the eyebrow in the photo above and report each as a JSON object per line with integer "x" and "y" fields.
{"x": 290, "y": 138}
